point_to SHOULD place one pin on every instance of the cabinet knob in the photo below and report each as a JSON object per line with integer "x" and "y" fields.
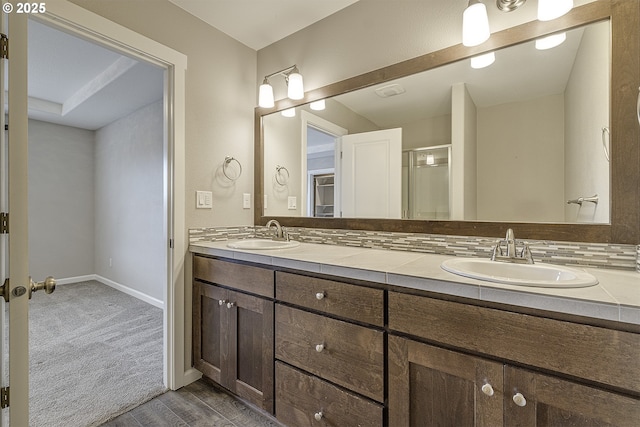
{"x": 319, "y": 348}
{"x": 487, "y": 389}
{"x": 519, "y": 399}
{"x": 318, "y": 416}
{"x": 230, "y": 304}
{"x": 221, "y": 302}
{"x": 320, "y": 295}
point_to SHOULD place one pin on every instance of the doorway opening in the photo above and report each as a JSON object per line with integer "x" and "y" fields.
{"x": 320, "y": 166}
{"x": 97, "y": 158}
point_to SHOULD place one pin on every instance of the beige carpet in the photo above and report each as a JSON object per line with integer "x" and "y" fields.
{"x": 95, "y": 353}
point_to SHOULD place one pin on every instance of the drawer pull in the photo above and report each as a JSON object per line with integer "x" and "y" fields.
{"x": 318, "y": 416}
{"x": 221, "y": 302}
{"x": 519, "y": 399}
{"x": 320, "y": 295}
{"x": 487, "y": 389}
{"x": 319, "y": 348}
{"x": 230, "y": 304}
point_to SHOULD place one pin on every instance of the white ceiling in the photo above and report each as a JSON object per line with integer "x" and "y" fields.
{"x": 80, "y": 84}
{"x": 259, "y": 23}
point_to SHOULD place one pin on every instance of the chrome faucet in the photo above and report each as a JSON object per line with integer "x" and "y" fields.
{"x": 512, "y": 254}
{"x": 280, "y": 233}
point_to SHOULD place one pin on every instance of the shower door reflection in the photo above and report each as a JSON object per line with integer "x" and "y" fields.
{"x": 426, "y": 174}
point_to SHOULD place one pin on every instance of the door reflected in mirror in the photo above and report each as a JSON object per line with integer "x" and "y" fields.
{"x": 510, "y": 142}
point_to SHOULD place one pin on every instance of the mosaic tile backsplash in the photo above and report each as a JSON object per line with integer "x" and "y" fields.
{"x": 599, "y": 255}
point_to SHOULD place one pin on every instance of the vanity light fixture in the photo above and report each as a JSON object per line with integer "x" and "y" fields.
{"x": 295, "y": 86}
{"x": 475, "y": 24}
{"x": 317, "y": 105}
{"x": 550, "y": 41}
{"x": 482, "y": 61}
{"x": 475, "y": 21}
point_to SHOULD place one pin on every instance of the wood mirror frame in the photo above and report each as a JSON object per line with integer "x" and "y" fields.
{"x": 624, "y": 16}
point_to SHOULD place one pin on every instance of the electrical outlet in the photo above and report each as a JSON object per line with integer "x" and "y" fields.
{"x": 292, "y": 203}
{"x": 246, "y": 201}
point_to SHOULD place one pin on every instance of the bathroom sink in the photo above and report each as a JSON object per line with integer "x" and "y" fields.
{"x": 538, "y": 275}
{"x": 263, "y": 244}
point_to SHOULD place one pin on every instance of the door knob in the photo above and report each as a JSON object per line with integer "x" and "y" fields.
{"x": 48, "y": 284}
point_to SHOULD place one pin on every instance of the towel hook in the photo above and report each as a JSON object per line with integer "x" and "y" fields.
{"x": 604, "y": 142}
{"x": 225, "y": 165}
{"x": 280, "y": 178}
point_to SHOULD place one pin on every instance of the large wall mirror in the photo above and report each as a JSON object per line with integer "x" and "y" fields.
{"x": 534, "y": 141}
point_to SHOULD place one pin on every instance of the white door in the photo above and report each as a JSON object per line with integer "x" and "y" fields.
{"x": 371, "y": 174}
{"x": 4, "y": 238}
{"x": 20, "y": 286}
{"x": 18, "y": 238}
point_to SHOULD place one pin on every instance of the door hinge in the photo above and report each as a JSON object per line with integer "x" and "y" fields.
{"x": 4, "y": 397}
{"x": 4, "y": 46}
{"x": 170, "y": 243}
{"x": 4, "y": 223}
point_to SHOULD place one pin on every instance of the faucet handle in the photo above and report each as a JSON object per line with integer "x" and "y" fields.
{"x": 526, "y": 253}
{"x": 497, "y": 250}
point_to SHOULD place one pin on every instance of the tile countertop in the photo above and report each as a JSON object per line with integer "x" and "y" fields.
{"x": 616, "y": 297}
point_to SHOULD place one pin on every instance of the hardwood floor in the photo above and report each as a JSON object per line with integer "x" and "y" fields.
{"x": 198, "y": 404}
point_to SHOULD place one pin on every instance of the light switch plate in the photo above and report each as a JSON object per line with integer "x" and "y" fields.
{"x": 246, "y": 201}
{"x": 204, "y": 200}
{"x": 292, "y": 203}
{"x": 264, "y": 205}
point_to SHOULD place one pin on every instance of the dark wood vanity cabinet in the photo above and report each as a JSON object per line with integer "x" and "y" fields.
{"x": 233, "y": 330}
{"x": 329, "y": 352}
{"x": 322, "y": 352}
{"x": 447, "y": 387}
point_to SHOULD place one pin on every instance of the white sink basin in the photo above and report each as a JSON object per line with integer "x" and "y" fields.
{"x": 539, "y": 275}
{"x": 263, "y": 244}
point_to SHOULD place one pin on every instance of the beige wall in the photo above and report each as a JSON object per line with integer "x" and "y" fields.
{"x": 586, "y": 167}
{"x": 220, "y": 97}
{"x": 521, "y": 161}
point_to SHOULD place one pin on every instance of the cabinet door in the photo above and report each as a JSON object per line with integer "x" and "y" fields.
{"x": 437, "y": 387}
{"x": 250, "y": 369}
{"x": 210, "y": 343}
{"x": 533, "y": 399}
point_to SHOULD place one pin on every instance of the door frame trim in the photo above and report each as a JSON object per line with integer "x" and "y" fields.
{"x": 95, "y": 28}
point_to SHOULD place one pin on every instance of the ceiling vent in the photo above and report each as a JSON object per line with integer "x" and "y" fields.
{"x": 389, "y": 90}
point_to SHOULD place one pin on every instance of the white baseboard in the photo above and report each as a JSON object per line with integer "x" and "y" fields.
{"x": 76, "y": 279}
{"x": 122, "y": 288}
{"x": 127, "y": 290}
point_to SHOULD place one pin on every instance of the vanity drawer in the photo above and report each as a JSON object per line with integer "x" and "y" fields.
{"x": 349, "y": 355}
{"x": 340, "y": 299}
{"x": 255, "y": 280}
{"x": 597, "y": 354}
{"x": 300, "y": 398}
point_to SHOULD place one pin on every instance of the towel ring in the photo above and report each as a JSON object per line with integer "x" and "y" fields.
{"x": 280, "y": 176}
{"x": 604, "y": 142}
{"x": 225, "y": 165}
